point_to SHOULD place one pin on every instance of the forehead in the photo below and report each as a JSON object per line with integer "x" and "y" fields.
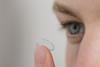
{"x": 83, "y": 7}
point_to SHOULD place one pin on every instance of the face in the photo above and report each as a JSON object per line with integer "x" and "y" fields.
{"x": 81, "y": 21}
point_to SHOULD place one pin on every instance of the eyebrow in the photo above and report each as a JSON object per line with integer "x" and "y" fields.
{"x": 64, "y": 9}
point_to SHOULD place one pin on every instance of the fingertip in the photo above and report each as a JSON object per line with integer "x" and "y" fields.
{"x": 43, "y": 57}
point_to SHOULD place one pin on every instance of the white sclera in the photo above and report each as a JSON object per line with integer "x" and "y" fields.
{"x": 46, "y": 43}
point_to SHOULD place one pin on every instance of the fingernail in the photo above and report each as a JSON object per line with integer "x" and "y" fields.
{"x": 40, "y": 54}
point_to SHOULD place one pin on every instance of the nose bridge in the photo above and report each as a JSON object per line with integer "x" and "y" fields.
{"x": 89, "y": 51}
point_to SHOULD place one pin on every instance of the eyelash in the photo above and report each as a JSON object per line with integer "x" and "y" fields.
{"x": 78, "y": 28}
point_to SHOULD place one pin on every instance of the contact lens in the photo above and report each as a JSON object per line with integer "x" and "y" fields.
{"x": 46, "y": 43}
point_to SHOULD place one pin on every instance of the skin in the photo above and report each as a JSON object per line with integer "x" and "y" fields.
{"x": 80, "y": 53}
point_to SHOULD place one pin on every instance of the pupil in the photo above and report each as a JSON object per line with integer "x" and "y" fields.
{"x": 74, "y": 28}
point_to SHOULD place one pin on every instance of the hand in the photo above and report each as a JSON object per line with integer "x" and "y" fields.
{"x": 43, "y": 57}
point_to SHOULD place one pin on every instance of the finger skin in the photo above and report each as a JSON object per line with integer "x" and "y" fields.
{"x": 48, "y": 61}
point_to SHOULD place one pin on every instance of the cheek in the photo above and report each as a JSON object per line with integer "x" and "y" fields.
{"x": 89, "y": 52}
{"x": 86, "y": 53}
{"x": 72, "y": 52}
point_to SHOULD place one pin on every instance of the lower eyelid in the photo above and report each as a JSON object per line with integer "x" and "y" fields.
{"x": 75, "y": 38}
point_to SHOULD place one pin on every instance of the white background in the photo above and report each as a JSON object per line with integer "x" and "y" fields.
{"x": 21, "y": 23}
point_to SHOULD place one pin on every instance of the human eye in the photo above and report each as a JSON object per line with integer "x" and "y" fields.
{"x": 71, "y": 22}
{"x": 75, "y": 31}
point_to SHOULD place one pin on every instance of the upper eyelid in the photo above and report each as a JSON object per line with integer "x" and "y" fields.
{"x": 70, "y": 22}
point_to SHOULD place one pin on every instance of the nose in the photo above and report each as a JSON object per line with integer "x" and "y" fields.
{"x": 89, "y": 51}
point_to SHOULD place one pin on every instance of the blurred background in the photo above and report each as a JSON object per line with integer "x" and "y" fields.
{"x": 21, "y": 23}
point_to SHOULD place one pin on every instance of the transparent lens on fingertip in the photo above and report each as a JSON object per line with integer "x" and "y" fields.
{"x": 46, "y": 43}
